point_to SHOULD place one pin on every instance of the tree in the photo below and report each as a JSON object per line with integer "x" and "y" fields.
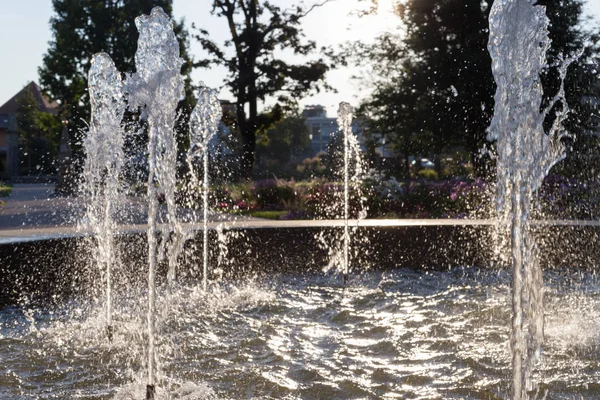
{"x": 439, "y": 91}
{"x": 286, "y": 139}
{"x": 436, "y": 86}
{"x": 581, "y": 85}
{"x": 26, "y": 127}
{"x": 258, "y": 31}
{"x": 82, "y": 28}
{"x": 38, "y": 135}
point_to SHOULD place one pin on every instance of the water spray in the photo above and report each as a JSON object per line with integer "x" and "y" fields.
{"x": 104, "y": 161}
{"x": 518, "y": 45}
{"x": 155, "y": 89}
{"x": 204, "y": 123}
{"x": 345, "y": 126}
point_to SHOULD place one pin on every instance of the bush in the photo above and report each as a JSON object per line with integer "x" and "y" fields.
{"x": 294, "y": 215}
{"x": 429, "y": 174}
{"x": 311, "y": 168}
{"x": 5, "y": 189}
{"x": 445, "y": 199}
{"x": 271, "y": 194}
{"x": 325, "y": 200}
{"x": 566, "y": 198}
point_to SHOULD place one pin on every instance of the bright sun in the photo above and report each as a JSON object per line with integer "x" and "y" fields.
{"x": 384, "y": 18}
{"x": 385, "y": 6}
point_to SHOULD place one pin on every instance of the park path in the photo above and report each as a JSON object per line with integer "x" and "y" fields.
{"x": 31, "y": 192}
{"x": 34, "y": 205}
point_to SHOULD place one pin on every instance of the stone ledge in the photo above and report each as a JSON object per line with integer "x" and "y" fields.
{"x": 46, "y": 263}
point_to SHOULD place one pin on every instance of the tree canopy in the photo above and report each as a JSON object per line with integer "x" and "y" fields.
{"x": 38, "y": 136}
{"x": 285, "y": 140}
{"x": 82, "y": 28}
{"x": 435, "y": 87}
{"x": 258, "y": 32}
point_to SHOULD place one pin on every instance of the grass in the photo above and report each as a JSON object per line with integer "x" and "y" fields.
{"x": 5, "y": 189}
{"x": 267, "y": 214}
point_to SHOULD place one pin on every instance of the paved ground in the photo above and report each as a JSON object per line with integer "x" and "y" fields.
{"x": 33, "y": 211}
{"x": 34, "y": 205}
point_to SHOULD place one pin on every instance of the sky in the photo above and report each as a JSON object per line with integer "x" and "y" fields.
{"x": 25, "y": 33}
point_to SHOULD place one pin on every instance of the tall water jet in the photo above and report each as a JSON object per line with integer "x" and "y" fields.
{"x": 347, "y": 165}
{"x": 344, "y": 121}
{"x": 156, "y": 88}
{"x": 204, "y": 123}
{"x": 103, "y": 147}
{"x": 518, "y": 44}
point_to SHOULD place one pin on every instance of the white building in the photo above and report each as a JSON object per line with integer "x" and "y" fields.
{"x": 322, "y": 128}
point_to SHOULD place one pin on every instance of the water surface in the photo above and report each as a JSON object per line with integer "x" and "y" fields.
{"x": 402, "y": 334}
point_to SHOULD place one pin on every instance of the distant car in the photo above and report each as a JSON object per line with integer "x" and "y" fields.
{"x": 425, "y": 163}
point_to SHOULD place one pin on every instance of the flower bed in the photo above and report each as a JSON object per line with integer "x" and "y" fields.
{"x": 377, "y": 197}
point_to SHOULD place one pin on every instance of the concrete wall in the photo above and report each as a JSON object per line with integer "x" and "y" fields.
{"x": 60, "y": 268}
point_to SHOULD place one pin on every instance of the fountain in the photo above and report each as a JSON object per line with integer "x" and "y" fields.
{"x": 156, "y": 88}
{"x": 350, "y": 144}
{"x": 518, "y": 44}
{"x": 349, "y": 171}
{"x": 403, "y": 332}
{"x": 204, "y": 124}
{"x": 104, "y": 161}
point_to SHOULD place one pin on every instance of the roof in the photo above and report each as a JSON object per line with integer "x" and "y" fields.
{"x": 46, "y": 105}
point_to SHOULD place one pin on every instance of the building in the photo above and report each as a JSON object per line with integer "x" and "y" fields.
{"x": 9, "y": 137}
{"x": 322, "y": 128}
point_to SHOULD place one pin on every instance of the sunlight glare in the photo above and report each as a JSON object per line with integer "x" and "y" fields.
{"x": 385, "y": 7}
{"x": 384, "y": 18}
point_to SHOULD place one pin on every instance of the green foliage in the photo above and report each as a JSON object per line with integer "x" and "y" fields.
{"x": 581, "y": 85}
{"x": 38, "y": 136}
{"x": 381, "y": 197}
{"x": 287, "y": 139}
{"x": 439, "y": 91}
{"x": 83, "y": 28}
{"x": 27, "y": 123}
{"x": 562, "y": 197}
{"x": 267, "y": 214}
{"x": 259, "y": 31}
{"x": 271, "y": 193}
{"x": 5, "y": 189}
{"x": 311, "y": 168}
{"x": 429, "y": 174}
{"x": 324, "y": 200}
{"x": 435, "y": 86}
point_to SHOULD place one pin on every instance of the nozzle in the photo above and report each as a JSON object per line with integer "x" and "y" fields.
{"x": 149, "y": 392}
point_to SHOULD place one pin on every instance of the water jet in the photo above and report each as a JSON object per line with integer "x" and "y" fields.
{"x": 429, "y": 319}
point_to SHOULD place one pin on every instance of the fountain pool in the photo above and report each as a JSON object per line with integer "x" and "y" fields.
{"x": 402, "y": 333}
{"x": 297, "y": 333}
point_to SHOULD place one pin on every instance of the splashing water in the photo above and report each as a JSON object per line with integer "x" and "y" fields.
{"x": 156, "y": 88}
{"x": 518, "y": 44}
{"x": 351, "y": 173}
{"x": 103, "y": 147}
{"x": 204, "y": 123}
{"x": 394, "y": 334}
{"x": 344, "y": 123}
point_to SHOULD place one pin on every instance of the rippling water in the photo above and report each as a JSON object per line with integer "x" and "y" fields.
{"x": 400, "y": 334}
